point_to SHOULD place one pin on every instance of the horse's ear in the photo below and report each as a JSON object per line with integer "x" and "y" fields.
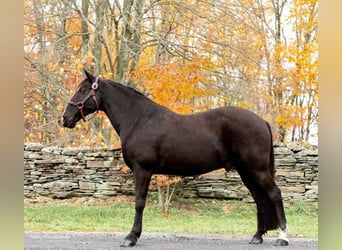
{"x": 89, "y": 76}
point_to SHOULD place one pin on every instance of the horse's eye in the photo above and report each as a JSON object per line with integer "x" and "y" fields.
{"x": 83, "y": 90}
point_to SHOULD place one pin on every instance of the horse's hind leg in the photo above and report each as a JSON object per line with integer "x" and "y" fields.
{"x": 267, "y": 183}
{"x": 258, "y": 196}
{"x": 270, "y": 211}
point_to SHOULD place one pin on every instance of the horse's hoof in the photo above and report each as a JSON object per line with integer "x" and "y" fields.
{"x": 127, "y": 243}
{"x": 281, "y": 242}
{"x": 256, "y": 240}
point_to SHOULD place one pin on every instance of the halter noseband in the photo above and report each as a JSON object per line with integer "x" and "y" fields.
{"x": 91, "y": 93}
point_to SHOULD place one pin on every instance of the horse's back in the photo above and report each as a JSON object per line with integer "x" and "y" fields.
{"x": 241, "y": 122}
{"x": 231, "y": 123}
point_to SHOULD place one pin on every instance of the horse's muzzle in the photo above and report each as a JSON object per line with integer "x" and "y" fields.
{"x": 67, "y": 123}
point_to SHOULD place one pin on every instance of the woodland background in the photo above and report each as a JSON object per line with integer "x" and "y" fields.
{"x": 187, "y": 55}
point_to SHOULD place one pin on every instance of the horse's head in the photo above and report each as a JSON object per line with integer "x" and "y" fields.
{"x": 84, "y": 102}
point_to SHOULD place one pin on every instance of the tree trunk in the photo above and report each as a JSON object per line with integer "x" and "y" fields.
{"x": 97, "y": 50}
{"x": 129, "y": 48}
{"x": 84, "y": 28}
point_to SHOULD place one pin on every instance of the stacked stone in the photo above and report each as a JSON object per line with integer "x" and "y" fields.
{"x": 297, "y": 171}
{"x": 289, "y": 178}
{"x": 307, "y": 162}
{"x": 217, "y": 184}
{"x": 74, "y": 172}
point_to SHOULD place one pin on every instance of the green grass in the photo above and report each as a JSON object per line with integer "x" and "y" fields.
{"x": 186, "y": 216}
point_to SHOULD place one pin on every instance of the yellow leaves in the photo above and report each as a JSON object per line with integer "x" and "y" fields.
{"x": 62, "y": 131}
{"x": 164, "y": 180}
{"x": 289, "y": 116}
{"x": 304, "y": 12}
{"x": 294, "y": 67}
{"x": 166, "y": 187}
{"x": 125, "y": 170}
{"x": 176, "y": 84}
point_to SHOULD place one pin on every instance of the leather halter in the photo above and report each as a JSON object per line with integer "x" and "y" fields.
{"x": 91, "y": 93}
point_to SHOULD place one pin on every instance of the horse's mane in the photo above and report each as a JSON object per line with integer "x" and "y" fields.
{"x": 130, "y": 89}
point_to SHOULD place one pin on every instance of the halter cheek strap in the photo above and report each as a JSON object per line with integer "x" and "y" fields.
{"x": 92, "y": 94}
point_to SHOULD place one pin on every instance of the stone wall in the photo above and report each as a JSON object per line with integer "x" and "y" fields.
{"x": 296, "y": 175}
{"x": 75, "y": 172}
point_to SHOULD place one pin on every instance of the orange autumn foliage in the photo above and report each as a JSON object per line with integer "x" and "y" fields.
{"x": 177, "y": 85}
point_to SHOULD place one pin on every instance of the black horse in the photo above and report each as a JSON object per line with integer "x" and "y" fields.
{"x": 156, "y": 140}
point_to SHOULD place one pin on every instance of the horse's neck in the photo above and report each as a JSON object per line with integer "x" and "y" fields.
{"x": 122, "y": 107}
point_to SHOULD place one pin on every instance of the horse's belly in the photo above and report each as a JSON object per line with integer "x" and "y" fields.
{"x": 184, "y": 171}
{"x": 189, "y": 162}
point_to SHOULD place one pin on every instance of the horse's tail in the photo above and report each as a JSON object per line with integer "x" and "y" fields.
{"x": 271, "y": 161}
{"x": 267, "y": 215}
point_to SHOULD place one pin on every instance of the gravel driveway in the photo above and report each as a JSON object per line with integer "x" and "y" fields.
{"x": 155, "y": 241}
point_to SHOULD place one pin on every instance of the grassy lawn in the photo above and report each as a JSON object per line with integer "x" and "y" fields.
{"x": 204, "y": 216}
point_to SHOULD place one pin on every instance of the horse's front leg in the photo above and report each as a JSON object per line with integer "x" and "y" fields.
{"x": 142, "y": 179}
